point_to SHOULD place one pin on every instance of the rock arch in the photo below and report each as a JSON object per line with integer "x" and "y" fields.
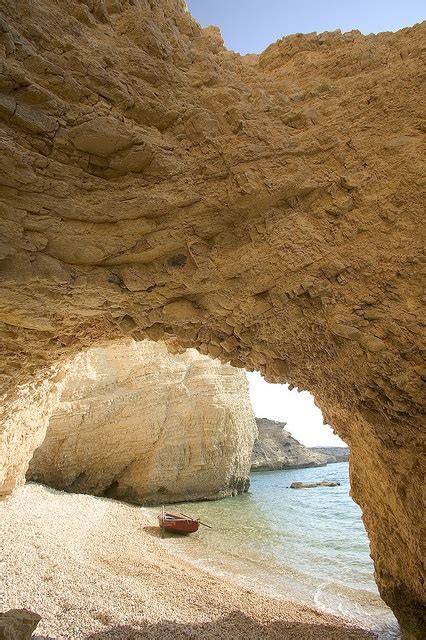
{"x": 263, "y": 209}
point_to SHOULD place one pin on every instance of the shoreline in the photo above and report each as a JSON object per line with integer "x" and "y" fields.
{"x": 97, "y": 568}
{"x": 254, "y": 545}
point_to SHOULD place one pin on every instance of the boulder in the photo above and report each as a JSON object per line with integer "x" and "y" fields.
{"x": 18, "y": 624}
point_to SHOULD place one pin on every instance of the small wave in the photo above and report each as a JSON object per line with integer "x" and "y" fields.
{"x": 317, "y": 598}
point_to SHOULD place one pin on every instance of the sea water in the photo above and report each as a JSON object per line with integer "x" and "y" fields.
{"x": 307, "y": 545}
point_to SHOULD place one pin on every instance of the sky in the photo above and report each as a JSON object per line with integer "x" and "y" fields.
{"x": 304, "y": 419}
{"x": 249, "y": 26}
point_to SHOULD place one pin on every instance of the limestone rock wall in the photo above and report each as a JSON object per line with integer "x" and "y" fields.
{"x": 137, "y": 423}
{"x": 24, "y": 423}
{"x": 265, "y": 210}
{"x": 275, "y": 448}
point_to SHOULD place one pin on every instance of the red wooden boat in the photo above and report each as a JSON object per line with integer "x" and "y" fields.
{"x": 177, "y": 524}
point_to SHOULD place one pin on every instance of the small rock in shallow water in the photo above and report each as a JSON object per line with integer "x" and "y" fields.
{"x": 310, "y": 485}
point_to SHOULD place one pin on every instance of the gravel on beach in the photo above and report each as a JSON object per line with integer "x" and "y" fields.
{"x": 96, "y": 568}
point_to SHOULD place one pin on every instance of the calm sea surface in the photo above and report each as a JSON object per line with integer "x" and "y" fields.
{"x": 307, "y": 545}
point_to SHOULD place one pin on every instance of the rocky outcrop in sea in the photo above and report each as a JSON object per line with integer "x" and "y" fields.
{"x": 275, "y": 448}
{"x": 333, "y": 454}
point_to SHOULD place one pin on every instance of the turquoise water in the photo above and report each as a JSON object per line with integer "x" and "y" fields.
{"x": 308, "y": 545}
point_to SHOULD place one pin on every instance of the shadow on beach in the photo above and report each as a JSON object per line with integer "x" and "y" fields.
{"x": 236, "y": 626}
{"x": 153, "y": 531}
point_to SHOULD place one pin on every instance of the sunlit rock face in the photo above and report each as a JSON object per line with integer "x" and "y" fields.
{"x": 137, "y": 423}
{"x": 275, "y": 448}
{"x": 24, "y": 419}
{"x": 262, "y": 209}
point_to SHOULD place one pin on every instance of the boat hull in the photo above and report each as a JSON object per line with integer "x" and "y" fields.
{"x": 178, "y": 525}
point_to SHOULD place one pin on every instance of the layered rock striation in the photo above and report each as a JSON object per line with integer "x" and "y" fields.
{"x": 275, "y": 448}
{"x": 263, "y": 209}
{"x": 137, "y": 423}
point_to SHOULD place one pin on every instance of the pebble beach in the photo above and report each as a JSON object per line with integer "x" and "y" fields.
{"x": 98, "y": 568}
